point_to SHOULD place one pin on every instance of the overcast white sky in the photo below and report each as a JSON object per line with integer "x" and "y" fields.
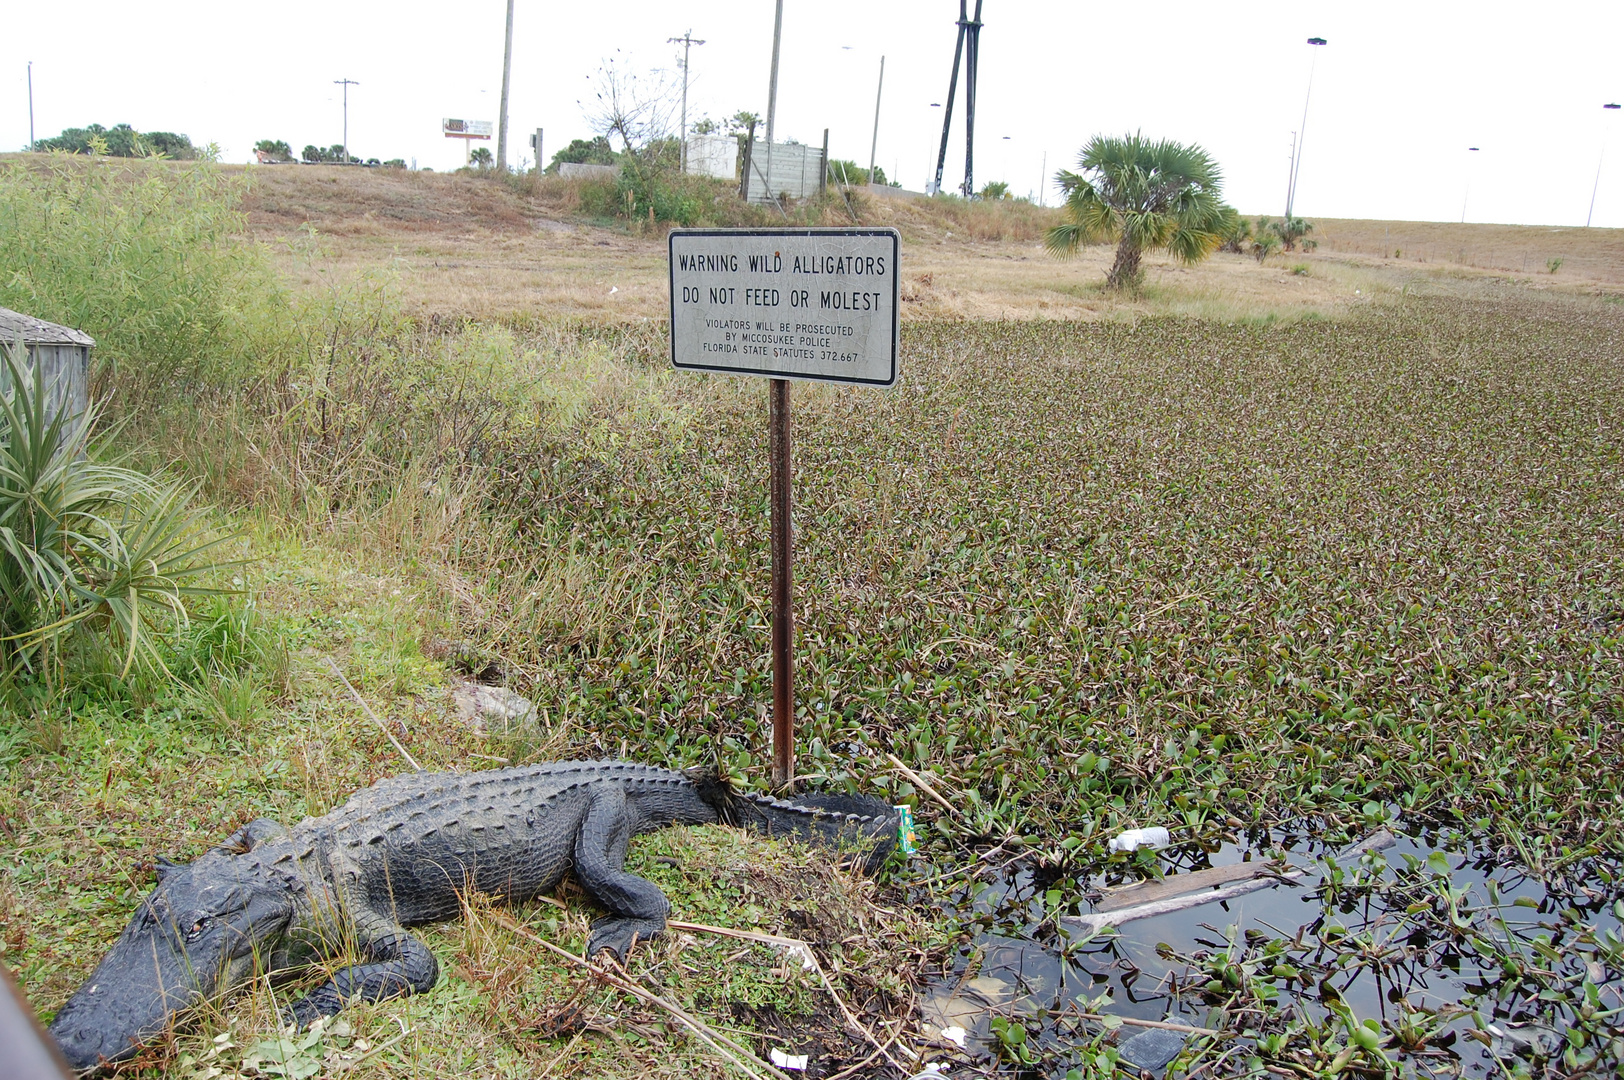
{"x": 1400, "y": 92}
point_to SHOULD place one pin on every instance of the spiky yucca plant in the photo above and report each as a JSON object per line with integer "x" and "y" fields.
{"x": 1144, "y": 195}
{"x": 84, "y": 539}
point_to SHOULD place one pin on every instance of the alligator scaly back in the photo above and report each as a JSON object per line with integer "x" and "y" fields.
{"x": 272, "y": 900}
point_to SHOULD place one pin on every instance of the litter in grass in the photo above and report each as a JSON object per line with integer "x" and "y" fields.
{"x": 786, "y": 1061}
{"x": 1134, "y": 839}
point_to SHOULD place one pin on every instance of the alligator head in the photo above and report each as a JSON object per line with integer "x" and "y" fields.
{"x": 195, "y": 936}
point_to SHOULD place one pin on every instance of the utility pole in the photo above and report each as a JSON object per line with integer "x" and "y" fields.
{"x": 947, "y": 114}
{"x": 972, "y": 53}
{"x": 507, "y": 69}
{"x": 346, "y": 84}
{"x": 31, "y": 139}
{"x": 874, "y": 144}
{"x": 688, "y": 41}
{"x": 772, "y": 102}
{"x": 969, "y": 48}
{"x": 1043, "y": 180}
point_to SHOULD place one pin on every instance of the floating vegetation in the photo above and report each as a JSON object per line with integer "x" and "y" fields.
{"x": 1440, "y": 956}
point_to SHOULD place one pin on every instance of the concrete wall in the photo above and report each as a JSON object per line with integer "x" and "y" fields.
{"x": 796, "y": 171}
{"x": 714, "y": 155}
{"x": 570, "y": 170}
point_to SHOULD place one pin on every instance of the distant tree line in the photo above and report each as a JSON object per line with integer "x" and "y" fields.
{"x": 120, "y": 140}
{"x": 278, "y": 150}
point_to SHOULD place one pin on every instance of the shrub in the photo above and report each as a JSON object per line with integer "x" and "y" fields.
{"x": 1265, "y": 240}
{"x": 844, "y": 171}
{"x": 1291, "y": 231}
{"x": 84, "y": 540}
{"x": 1234, "y": 231}
{"x": 334, "y": 155}
{"x": 142, "y": 256}
{"x": 585, "y": 152}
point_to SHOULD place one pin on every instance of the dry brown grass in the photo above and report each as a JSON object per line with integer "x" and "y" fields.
{"x": 469, "y": 246}
{"x": 1589, "y": 256}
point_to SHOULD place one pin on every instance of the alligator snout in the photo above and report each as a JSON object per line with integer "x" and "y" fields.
{"x": 86, "y": 1047}
{"x": 110, "y": 1017}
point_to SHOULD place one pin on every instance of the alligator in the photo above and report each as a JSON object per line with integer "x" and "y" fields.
{"x": 273, "y": 901}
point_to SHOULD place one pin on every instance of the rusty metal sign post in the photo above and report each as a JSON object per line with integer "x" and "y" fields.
{"x": 819, "y": 305}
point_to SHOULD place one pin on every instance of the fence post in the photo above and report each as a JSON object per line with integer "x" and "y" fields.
{"x": 749, "y": 148}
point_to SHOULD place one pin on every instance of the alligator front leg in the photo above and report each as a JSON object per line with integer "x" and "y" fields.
{"x": 637, "y": 906}
{"x": 398, "y": 965}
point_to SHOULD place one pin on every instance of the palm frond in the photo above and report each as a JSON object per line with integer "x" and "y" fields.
{"x": 1150, "y": 194}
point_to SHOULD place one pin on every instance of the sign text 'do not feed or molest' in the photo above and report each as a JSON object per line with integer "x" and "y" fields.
{"x": 816, "y": 304}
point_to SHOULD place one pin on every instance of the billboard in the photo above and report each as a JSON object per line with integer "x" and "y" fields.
{"x": 465, "y": 129}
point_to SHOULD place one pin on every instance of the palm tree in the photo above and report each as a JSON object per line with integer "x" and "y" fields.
{"x": 1142, "y": 194}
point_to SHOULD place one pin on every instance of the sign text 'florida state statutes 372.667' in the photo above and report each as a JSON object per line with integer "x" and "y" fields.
{"x": 786, "y": 303}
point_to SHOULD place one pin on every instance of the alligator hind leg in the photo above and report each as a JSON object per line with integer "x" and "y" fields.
{"x": 400, "y": 965}
{"x": 637, "y": 906}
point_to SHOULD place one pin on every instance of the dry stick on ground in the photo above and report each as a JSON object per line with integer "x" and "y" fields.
{"x": 866, "y": 1062}
{"x": 553, "y": 1064}
{"x": 922, "y": 784}
{"x": 805, "y": 951}
{"x": 346, "y": 1066}
{"x": 1131, "y": 1021}
{"x": 368, "y": 709}
{"x": 730, "y": 1051}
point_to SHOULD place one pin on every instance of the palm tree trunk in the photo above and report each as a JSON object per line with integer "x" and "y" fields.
{"x": 1125, "y": 271}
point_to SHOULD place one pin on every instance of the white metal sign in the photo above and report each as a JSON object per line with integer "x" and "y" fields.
{"x": 816, "y": 304}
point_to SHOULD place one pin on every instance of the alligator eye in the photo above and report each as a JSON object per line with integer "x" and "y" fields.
{"x": 197, "y": 928}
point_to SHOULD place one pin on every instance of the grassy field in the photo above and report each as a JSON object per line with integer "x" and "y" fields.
{"x": 463, "y": 246}
{"x": 1254, "y": 547}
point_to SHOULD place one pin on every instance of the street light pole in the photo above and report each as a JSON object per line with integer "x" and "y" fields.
{"x": 1302, "y": 129}
{"x": 1599, "y": 159}
{"x": 688, "y": 40}
{"x": 346, "y": 84}
{"x": 1291, "y": 172}
{"x": 31, "y": 139}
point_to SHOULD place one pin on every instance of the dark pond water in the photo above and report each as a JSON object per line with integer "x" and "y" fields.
{"x": 1468, "y": 963}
